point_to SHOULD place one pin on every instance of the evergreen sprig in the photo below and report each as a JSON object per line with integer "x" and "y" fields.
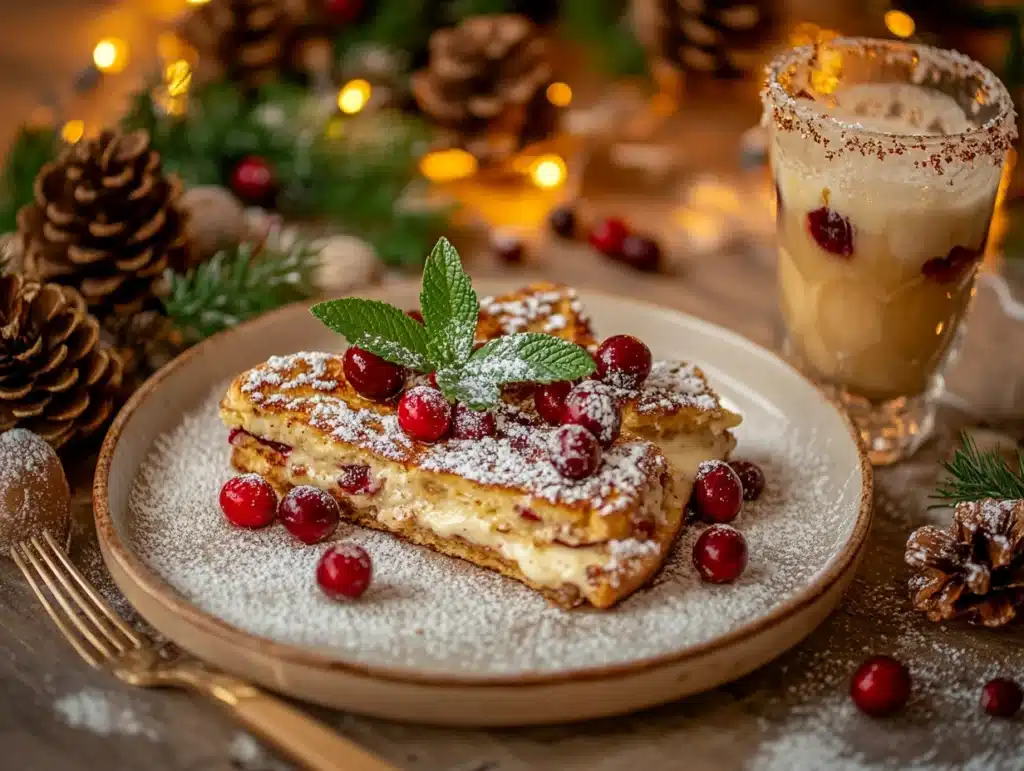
{"x": 238, "y": 284}
{"x": 32, "y": 147}
{"x": 973, "y": 475}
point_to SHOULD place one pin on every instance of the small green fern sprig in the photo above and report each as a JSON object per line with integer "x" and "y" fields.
{"x": 239, "y": 284}
{"x": 973, "y": 475}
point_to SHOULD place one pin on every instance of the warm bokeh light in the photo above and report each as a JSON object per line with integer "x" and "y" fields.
{"x": 808, "y": 33}
{"x": 110, "y": 55}
{"x": 559, "y": 94}
{"x": 548, "y": 171}
{"x": 447, "y": 165}
{"x": 197, "y": 2}
{"x": 353, "y": 96}
{"x": 899, "y": 23}
{"x": 72, "y": 131}
{"x": 178, "y": 77}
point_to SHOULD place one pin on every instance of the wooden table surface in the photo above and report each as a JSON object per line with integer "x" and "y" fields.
{"x": 57, "y": 714}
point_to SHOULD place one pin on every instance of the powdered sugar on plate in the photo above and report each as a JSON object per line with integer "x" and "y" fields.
{"x": 440, "y": 615}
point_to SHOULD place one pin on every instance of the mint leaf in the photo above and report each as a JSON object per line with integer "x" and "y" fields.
{"x": 475, "y": 391}
{"x": 449, "y": 306}
{"x": 379, "y": 328}
{"x": 531, "y": 357}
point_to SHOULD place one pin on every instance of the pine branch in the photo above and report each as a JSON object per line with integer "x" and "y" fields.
{"x": 974, "y": 475}
{"x": 32, "y": 148}
{"x": 236, "y": 285}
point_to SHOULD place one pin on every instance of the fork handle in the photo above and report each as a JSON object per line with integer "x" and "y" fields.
{"x": 303, "y": 739}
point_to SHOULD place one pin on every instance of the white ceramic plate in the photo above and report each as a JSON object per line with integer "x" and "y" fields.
{"x": 438, "y": 640}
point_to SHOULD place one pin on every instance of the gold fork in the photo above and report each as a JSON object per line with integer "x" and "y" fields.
{"x": 105, "y": 641}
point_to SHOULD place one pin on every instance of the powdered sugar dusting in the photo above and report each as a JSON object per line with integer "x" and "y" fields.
{"x": 672, "y": 386}
{"x": 442, "y": 615}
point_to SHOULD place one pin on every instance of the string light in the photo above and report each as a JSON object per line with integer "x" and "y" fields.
{"x": 110, "y": 55}
{"x": 548, "y": 171}
{"x": 559, "y": 94}
{"x": 447, "y": 165}
{"x": 899, "y": 23}
{"x": 72, "y": 131}
{"x": 178, "y": 77}
{"x": 353, "y": 96}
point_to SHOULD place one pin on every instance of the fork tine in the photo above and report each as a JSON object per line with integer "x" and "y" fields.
{"x": 62, "y": 625}
{"x": 98, "y": 603}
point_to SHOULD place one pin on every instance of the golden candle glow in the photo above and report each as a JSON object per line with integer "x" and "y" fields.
{"x": 110, "y": 55}
{"x": 72, "y": 131}
{"x": 899, "y": 23}
{"x": 548, "y": 171}
{"x": 197, "y": 2}
{"x": 353, "y": 96}
{"x": 559, "y": 94}
{"x": 447, "y": 165}
{"x": 178, "y": 77}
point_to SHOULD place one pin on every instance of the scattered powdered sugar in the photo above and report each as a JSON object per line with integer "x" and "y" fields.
{"x": 443, "y": 615}
{"x": 518, "y": 314}
{"x": 106, "y": 714}
{"x": 672, "y": 386}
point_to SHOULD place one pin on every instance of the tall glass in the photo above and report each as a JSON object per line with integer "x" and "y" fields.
{"x": 887, "y": 158}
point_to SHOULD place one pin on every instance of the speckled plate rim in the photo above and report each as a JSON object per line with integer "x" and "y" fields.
{"x": 837, "y": 569}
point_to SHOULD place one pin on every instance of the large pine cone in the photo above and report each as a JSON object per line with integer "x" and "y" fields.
{"x": 485, "y": 84}
{"x": 241, "y": 41}
{"x": 975, "y": 569}
{"x": 719, "y": 38}
{"x": 56, "y": 378}
{"x": 106, "y": 221}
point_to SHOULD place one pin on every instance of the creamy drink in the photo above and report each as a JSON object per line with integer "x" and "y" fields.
{"x": 886, "y": 159}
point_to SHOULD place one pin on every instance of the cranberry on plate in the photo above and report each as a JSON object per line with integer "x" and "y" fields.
{"x": 717, "y": 492}
{"x": 880, "y": 686}
{"x": 424, "y": 414}
{"x": 248, "y": 501}
{"x": 623, "y": 361}
{"x": 471, "y": 424}
{"x": 1001, "y": 697}
{"x": 720, "y": 554}
{"x": 549, "y": 400}
{"x": 591, "y": 405}
{"x": 574, "y": 452}
{"x": 751, "y": 476}
{"x": 310, "y": 514}
{"x": 372, "y": 376}
{"x": 344, "y": 571}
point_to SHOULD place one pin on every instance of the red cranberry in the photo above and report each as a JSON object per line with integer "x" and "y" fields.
{"x": 310, "y": 514}
{"x": 717, "y": 492}
{"x": 590, "y": 404}
{"x": 424, "y": 414}
{"x": 248, "y": 501}
{"x": 832, "y": 231}
{"x": 252, "y": 179}
{"x": 372, "y": 376}
{"x": 720, "y": 554}
{"x": 608, "y": 235}
{"x": 1001, "y": 697}
{"x": 415, "y": 315}
{"x": 356, "y": 479}
{"x": 641, "y": 252}
{"x": 563, "y": 221}
{"x": 342, "y": 11}
{"x": 751, "y": 477}
{"x": 344, "y": 571}
{"x": 623, "y": 361}
{"x": 574, "y": 452}
{"x": 507, "y": 247}
{"x": 948, "y": 269}
{"x": 550, "y": 400}
{"x": 880, "y": 686}
{"x": 470, "y": 424}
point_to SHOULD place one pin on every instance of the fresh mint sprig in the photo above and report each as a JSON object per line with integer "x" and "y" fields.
{"x": 444, "y": 344}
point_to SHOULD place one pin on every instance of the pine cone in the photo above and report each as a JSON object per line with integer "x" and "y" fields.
{"x": 105, "y": 221}
{"x": 242, "y": 41}
{"x": 56, "y": 378}
{"x": 485, "y": 85}
{"x": 721, "y": 38}
{"x": 975, "y": 569}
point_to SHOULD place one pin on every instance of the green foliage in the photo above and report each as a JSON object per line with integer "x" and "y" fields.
{"x": 600, "y": 26}
{"x": 974, "y": 475}
{"x": 236, "y": 285}
{"x": 32, "y": 148}
{"x": 401, "y": 25}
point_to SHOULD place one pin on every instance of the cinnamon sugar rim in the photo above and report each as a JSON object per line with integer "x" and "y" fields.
{"x": 790, "y": 112}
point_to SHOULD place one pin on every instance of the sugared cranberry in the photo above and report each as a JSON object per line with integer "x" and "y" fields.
{"x": 720, "y": 554}
{"x": 623, "y": 361}
{"x": 356, "y": 479}
{"x": 717, "y": 492}
{"x": 751, "y": 477}
{"x": 1001, "y": 697}
{"x": 563, "y": 221}
{"x": 641, "y": 252}
{"x": 344, "y": 571}
{"x": 591, "y": 405}
{"x": 415, "y": 315}
{"x": 832, "y": 231}
{"x": 574, "y": 452}
{"x": 550, "y": 400}
{"x": 507, "y": 247}
{"x": 948, "y": 269}
{"x": 372, "y": 376}
{"x": 424, "y": 414}
{"x": 248, "y": 501}
{"x": 470, "y": 424}
{"x": 310, "y": 514}
{"x": 880, "y": 686}
{"x": 608, "y": 235}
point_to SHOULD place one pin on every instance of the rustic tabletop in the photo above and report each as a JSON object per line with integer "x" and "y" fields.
{"x": 56, "y": 713}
